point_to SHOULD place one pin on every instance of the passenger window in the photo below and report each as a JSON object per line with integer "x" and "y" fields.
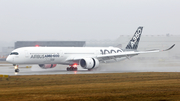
{"x": 14, "y": 53}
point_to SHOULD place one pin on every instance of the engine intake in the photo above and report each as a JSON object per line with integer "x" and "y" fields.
{"x": 89, "y": 63}
{"x": 46, "y": 66}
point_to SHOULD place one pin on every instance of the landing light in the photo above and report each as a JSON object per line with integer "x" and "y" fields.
{"x": 75, "y": 65}
{"x": 37, "y": 46}
{"x": 15, "y": 67}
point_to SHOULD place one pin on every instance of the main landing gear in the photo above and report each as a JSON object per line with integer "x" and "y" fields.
{"x": 72, "y": 68}
{"x": 16, "y": 68}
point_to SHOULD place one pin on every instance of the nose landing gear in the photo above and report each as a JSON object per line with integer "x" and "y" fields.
{"x": 16, "y": 68}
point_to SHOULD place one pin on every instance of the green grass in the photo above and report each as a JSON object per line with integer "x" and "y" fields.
{"x": 92, "y": 87}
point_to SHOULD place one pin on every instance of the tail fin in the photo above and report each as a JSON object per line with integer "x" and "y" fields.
{"x": 133, "y": 43}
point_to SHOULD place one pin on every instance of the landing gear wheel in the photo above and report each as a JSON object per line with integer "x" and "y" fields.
{"x": 75, "y": 68}
{"x": 16, "y": 70}
{"x": 71, "y": 68}
{"x": 68, "y": 69}
{"x": 89, "y": 69}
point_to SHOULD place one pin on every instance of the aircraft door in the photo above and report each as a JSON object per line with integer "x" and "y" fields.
{"x": 60, "y": 53}
{"x": 26, "y": 53}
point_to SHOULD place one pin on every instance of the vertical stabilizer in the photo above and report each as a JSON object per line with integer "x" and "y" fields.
{"x": 133, "y": 43}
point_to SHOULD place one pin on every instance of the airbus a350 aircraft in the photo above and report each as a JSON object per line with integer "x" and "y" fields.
{"x": 87, "y": 57}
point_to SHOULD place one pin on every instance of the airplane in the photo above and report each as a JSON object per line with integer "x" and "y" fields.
{"x": 87, "y": 57}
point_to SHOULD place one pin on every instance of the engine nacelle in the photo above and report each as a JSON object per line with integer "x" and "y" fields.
{"x": 89, "y": 63}
{"x": 46, "y": 66}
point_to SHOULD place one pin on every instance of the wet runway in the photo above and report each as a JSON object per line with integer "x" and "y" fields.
{"x": 35, "y": 70}
{"x": 117, "y": 67}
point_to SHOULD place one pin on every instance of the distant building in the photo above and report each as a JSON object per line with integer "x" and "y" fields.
{"x": 5, "y": 52}
{"x": 19, "y": 44}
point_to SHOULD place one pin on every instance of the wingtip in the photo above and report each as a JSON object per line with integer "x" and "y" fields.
{"x": 169, "y": 48}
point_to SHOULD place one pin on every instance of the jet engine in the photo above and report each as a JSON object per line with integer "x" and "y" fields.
{"x": 46, "y": 66}
{"x": 89, "y": 63}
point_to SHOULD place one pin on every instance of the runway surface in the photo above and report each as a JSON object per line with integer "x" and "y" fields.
{"x": 117, "y": 67}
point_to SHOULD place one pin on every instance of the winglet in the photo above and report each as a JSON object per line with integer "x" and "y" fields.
{"x": 169, "y": 48}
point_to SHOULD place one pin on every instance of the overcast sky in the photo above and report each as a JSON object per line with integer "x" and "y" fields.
{"x": 22, "y": 20}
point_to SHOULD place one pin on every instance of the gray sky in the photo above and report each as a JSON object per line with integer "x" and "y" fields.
{"x": 22, "y": 20}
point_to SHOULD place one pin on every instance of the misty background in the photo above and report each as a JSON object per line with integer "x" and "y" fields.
{"x": 58, "y": 20}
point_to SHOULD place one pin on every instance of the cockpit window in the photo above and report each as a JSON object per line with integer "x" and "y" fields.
{"x": 14, "y": 53}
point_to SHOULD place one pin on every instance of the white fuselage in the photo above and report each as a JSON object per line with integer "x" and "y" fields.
{"x": 56, "y": 55}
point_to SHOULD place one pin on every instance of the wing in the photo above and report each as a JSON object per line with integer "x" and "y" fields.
{"x": 126, "y": 54}
{"x": 130, "y": 53}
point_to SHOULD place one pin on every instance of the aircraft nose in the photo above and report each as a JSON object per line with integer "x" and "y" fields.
{"x": 9, "y": 59}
